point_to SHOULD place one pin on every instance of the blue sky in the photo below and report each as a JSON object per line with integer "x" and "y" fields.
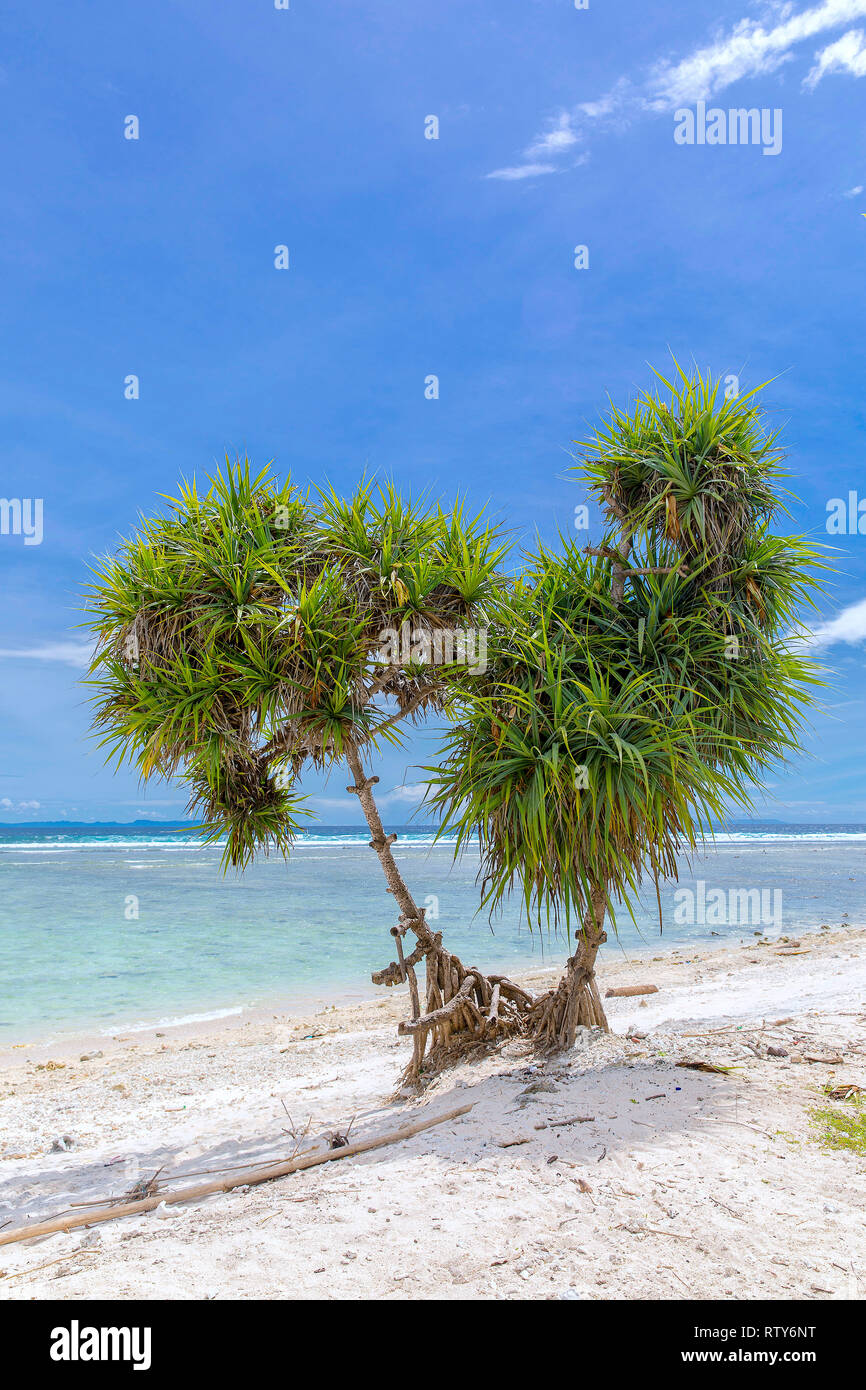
{"x": 409, "y": 257}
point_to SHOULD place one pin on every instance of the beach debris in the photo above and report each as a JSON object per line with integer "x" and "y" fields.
{"x": 292, "y": 1131}
{"x": 70, "y": 1255}
{"x": 189, "y": 1194}
{"x": 62, "y": 1144}
{"x": 50, "y": 1066}
{"x": 635, "y": 1034}
{"x": 165, "y": 1213}
{"x": 90, "y": 1056}
{"x": 836, "y": 1061}
{"x": 145, "y": 1187}
{"x": 850, "y": 1092}
{"x": 512, "y": 1143}
{"x": 627, "y": 991}
{"x": 777, "y": 1052}
{"x": 338, "y": 1139}
{"x": 706, "y": 1066}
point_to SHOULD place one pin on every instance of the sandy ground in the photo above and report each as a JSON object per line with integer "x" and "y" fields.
{"x": 674, "y": 1183}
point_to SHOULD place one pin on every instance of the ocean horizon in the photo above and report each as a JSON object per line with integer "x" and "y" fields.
{"x": 122, "y": 926}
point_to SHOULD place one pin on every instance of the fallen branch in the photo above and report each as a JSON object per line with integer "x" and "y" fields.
{"x": 70, "y": 1254}
{"x": 626, "y": 991}
{"x": 208, "y": 1189}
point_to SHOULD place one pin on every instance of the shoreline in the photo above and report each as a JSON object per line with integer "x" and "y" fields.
{"x": 613, "y": 1171}
{"x": 66, "y": 1040}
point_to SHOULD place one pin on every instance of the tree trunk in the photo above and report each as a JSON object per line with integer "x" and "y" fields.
{"x": 463, "y": 1007}
{"x": 556, "y": 1016}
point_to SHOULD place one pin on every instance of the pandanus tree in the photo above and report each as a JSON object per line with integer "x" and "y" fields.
{"x": 252, "y": 631}
{"x": 641, "y": 687}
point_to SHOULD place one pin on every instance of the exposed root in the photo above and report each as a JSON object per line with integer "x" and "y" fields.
{"x": 465, "y": 1010}
{"x": 557, "y": 1015}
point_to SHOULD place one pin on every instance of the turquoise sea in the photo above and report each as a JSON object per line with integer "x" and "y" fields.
{"x": 109, "y": 928}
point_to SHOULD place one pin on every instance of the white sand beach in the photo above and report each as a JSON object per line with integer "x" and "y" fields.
{"x": 611, "y": 1172}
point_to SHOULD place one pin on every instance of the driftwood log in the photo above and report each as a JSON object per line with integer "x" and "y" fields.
{"x": 208, "y": 1189}
{"x": 626, "y": 991}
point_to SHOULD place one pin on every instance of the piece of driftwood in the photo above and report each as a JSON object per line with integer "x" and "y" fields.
{"x": 626, "y": 991}
{"x": 849, "y": 1092}
{"x": 706, "y": 1066}
{"x": 208, "y": 1189}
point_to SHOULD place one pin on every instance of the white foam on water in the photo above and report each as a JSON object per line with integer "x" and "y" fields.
{"x": 172, "y": 1022}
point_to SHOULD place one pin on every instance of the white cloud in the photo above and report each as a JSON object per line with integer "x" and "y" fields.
{"x": 847, "y": 54}
{"x": 70, "y": 653}
{"x": 848, "y": 626}
{"x": 409, "y": 791}
{"x": 334, "y": 803}
{"x": 619, "y": 96}
{"x": 522, "y": 171}
{"x": 7, "y": 805}
{"x": 560, "y": 136}
{"x": 749, "y": 49}
{"x": 853, "y": 192}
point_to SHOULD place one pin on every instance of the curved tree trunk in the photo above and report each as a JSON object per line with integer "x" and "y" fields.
{"x": 462, "y": 1006}
{"x": 556, "y": 1016}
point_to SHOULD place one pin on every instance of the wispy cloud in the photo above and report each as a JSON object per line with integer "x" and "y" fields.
{"x": 407, "y": 792}
{"x": 847, "y": 54}
{"x": 522, "y": 171}
{"x": 559, "y": 137}
{"x": 848, "y": 626}
{"x": 76, "y": 654}
{"x": 750, "y": 49}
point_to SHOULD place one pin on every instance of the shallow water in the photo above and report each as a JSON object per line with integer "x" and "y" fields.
{"x": 118, "y": 927}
